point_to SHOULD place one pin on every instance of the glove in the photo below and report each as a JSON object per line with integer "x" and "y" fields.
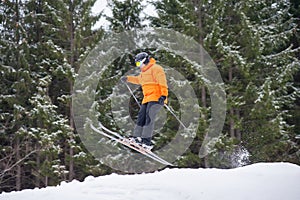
{"x": 124, "y": 79}
{"x": 161, "y": 100}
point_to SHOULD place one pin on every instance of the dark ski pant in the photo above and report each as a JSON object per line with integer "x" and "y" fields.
{"x": 145, "y": 122}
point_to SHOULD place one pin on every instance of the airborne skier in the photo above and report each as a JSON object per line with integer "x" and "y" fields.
{"x": 155, "y": 90}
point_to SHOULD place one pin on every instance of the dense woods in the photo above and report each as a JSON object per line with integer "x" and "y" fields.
{"x": 255, "y": 45}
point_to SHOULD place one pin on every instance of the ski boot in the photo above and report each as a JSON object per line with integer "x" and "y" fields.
{"x": 135, "y": 140}
{"x": 146, "y": 144}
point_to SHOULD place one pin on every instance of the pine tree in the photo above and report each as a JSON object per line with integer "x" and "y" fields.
{"x": 16, "y": 89}
{"x": 178, "y": 15}
{"x": 295, "y": 11}
{"x": 253, "y": 49}
{"x": 229, "y": 41}
{"x": 45, "y": 58}
{"x": 37, "y": 136}
{"x": 76, "y": 40}
{"x": 126, "y": 15}
{"x": 273, "y": 68}
{"x": 182, "y": 17}
{"x": 230, "y": 33}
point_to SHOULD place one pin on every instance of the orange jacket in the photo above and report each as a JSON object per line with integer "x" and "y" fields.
{"x": 153, "y": 81}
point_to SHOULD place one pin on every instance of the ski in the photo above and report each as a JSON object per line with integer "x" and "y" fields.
{"x": 124, "y": 141}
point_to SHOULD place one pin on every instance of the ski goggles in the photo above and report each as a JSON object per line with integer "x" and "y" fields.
{"x": 140, "y": 63}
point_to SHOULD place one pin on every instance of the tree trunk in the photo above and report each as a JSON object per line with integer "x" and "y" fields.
{"x": 198, "y": 4}
{"x": 231, "y": 123}
{"x": 238, "y": 131}
{"x": 72, "y": 59}
{"x": 17, "y": 147}
{"x": 19, "y": 169}
{"x": 46, "y": 177}
{"x": 38, "y": 166}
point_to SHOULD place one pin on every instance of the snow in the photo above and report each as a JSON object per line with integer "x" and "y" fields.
{"x": 263, "y": 181}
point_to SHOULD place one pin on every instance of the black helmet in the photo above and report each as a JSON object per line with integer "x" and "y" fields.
{"x": 142, "y": 58}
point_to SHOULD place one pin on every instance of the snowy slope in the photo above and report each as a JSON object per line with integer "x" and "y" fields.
{"x": 272, "y": 181}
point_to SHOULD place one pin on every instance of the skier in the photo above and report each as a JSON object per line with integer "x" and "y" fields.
{"x": 155, "y": 90}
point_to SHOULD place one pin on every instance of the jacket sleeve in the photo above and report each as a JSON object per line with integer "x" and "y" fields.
{"x": 133, "y": 79}
{"x": 162, "y": 81}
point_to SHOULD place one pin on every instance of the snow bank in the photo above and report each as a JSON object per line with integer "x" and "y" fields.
{"x": 264, "y": 181}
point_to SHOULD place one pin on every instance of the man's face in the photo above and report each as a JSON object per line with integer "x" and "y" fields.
{"x": 140, "y": 63}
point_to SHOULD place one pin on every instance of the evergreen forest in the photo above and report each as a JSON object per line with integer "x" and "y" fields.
{"x": 255, "y": 45}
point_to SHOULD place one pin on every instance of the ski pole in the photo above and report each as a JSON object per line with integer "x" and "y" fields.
{"x": 133, "y": 94}
{"x": 169, "y": 109}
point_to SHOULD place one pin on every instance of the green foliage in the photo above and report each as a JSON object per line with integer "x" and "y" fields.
{"x": 178, "y": 15}
{"x": 35, "y": 55}
{"x": 126, "y": 15}
{"x": 255, "y": 45}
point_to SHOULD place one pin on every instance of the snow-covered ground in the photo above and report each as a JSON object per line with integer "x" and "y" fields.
{"x": 264, "y": 181}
